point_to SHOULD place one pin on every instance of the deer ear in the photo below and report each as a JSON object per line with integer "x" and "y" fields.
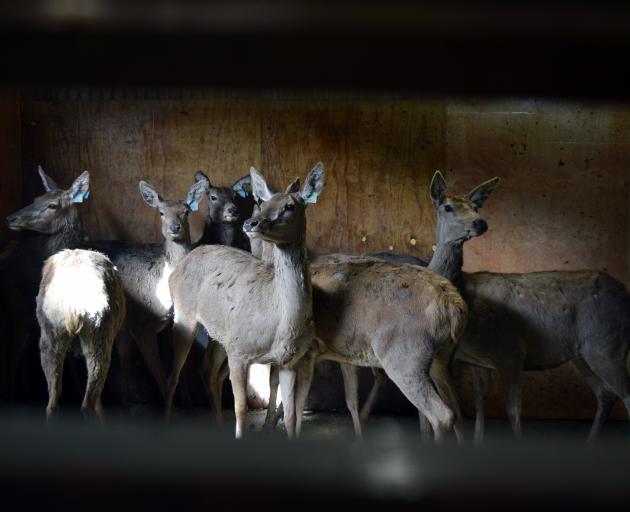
{"x": 481, "y": 193}
{"x": 48, "y": 182}
{"x": 438, "y": 189}
{"x": 242, "y": 185}
{"x": 260, "y": 190}
{"x": 294, "y": 186}
{"x": 80, "y": 190}
{"x": 313, "y": 184}
{"x": 200, "y": 176}
{"x": 195, "y": 194}
{"x": 149, "y": 194}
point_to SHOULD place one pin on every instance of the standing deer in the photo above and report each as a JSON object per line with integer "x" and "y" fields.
{"x": 535, "y": 320}
{"x": 260, "y": 312}
{"x": 215, "y": 367}
{"x": 145, "y": 270}
{"x": 80, "y": 296}
{"x": 55, "y": 222}
{"x": 341, "y": 304}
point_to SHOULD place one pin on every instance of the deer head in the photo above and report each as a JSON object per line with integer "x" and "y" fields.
{"x": 458, "y": 218}
{"x": 50, "y": 212}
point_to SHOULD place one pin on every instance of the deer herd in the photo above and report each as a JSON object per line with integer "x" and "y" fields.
{"x": 256, "y": 297}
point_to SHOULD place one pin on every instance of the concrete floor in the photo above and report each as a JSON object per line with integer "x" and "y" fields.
{"x": 332, "y": 425}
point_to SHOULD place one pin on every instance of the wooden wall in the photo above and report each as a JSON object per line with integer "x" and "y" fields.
{"x": 564, "y": 202}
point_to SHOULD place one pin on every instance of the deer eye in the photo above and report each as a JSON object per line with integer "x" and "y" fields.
{"x": 53, "y": 206}
{"x": 289, "y": 207}
{"x": 161, "y": 213}
{"x": 448, "y": 208}
{"x": 214, "y": 198}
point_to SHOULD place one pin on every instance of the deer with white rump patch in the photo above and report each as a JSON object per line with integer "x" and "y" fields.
{"x": 532, "y": 321}
{"x": 219, "y": 287}
{"x": 55, "y": 223}
{"x": 80, "y": 306}
{"x": 144, "y": 270}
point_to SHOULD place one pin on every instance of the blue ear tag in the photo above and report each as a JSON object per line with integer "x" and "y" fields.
{"x": 193, "y": 205}
{"x": 311, "y": 198}
{"x": 241, "y": 192}
{"x": 79, "y": 197}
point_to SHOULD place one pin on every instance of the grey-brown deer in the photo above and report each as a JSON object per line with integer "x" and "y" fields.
{"x": 144, "y": 270}
{"x": 80, "y": 306}
{"x": 535, "y": 320}
{"x": 54, "y": 222}
{"x": 345, "y": 289}
{"x": 260, "y": 312}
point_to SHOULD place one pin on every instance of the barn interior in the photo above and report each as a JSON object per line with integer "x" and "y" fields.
{"x": 383, "y": 94}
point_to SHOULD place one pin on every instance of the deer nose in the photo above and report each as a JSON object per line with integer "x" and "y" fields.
{"x": 175, "y": 228}
{"x": 233, "y": 210}
{"x": 481, "y": 226}
{"x": 11, "y": 219}
{"x": 249, "y": 224}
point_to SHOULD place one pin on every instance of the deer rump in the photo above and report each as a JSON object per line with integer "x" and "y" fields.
{"x": 362, "y": 306}
{"x": 555, "y": 316}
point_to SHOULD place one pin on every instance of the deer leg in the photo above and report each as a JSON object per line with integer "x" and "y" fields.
{"x": 184, "y": 330}
{"x": 304, "y": 378}
{"x": 511, "y": 377}
{"x": 123, "y": 347}
{"x": 481, "y": 381}
{"x": 238, "y": 378}
{"x": 215, "y": 358}
{"x": 426, "y": 430}
{"x": 287, "y": 386}
{"x": 274, "y": 382}
{"x": 350, "y": 374}
{"x": 610, "y": 368}
{"x": 147, "y": 342}
{"x": 440, "y": 376}
{"x": 52, "y": 360}
{"x": 605, "y": 398}
{"x": 97, "y": 360}
{"x": 407, "y": 363}
{"x": 379, "y": 381}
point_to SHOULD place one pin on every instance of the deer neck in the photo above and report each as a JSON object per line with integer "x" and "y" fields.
{"x": 448, "y": 260}
{"x": 216, "y": 232}
{"x": 69, "y": 235}
{"x": 175, "y": 250}
{"x": 292, "y": 281}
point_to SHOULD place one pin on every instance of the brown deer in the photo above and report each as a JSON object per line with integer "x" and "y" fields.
{"x": 535, "y": 320}
{"x": 339, "y": 294}
{"x": 260, "y": 312}
{"x": 80, "y": 305}
{"x": 144, "y": 270}
{"x": 53, "y": 221}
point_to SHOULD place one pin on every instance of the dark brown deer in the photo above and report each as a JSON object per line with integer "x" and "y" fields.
{"x": 80, "y": 306}
{"x": 53, "y": 223}
{"x": 260, "y": 312}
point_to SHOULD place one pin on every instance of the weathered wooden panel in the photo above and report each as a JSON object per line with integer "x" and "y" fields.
{"x": 564, "y": 202}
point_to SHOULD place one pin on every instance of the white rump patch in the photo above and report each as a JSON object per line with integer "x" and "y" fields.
{"x": 162, "y": 291}
{"x": 76, "y": 289}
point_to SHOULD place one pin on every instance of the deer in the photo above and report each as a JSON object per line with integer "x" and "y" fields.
{"x": 340, "y": 305}
{"x": 221, "y": 223}
{"x": 145, "y": 270}
{"x": 222, "y": 227}
{"x": 80, "y": 305}
{"x": 53, "y": 222}
{"x": 218, "y": 287}
{"x": 531, "y": 321}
